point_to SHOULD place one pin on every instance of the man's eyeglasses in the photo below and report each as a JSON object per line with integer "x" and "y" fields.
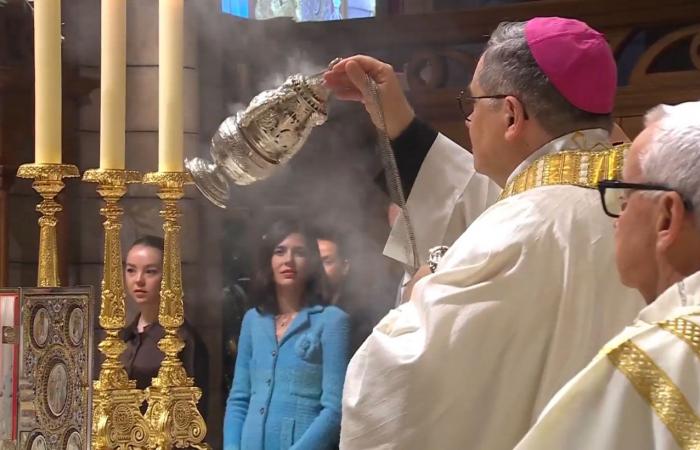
{"x": 614, "y": 195}
{"x": 466, "y": 102}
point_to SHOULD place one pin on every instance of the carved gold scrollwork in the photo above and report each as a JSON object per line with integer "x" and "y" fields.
{"x": 117, "y": 420}
{"x": 172, "y": 398}
{"x": 47, "y": 182}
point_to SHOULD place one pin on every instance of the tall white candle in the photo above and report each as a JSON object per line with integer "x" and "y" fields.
{"x": 170, "y": 87}
{"x": 113, "y": 85}
{"x": 47, "y": 81}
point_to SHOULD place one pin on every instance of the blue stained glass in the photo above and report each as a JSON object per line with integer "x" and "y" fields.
{"x": 301, "y": 10}
{"x": 319, "y": 10}
{"x": 236, "y": 7}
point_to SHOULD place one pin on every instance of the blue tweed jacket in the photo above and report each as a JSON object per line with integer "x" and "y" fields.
{"x": 287, "y": 395}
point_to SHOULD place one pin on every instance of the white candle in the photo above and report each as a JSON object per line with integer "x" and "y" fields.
{"x": 113, "y": 85}
{"x": 170, "y": 90}
{"x": 47, "y": 81}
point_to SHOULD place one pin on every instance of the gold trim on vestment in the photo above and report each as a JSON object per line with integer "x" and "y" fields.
{"x": 584, "y": 168}
{"x": 662, "y": 394}
{"x": 686, "y": 330}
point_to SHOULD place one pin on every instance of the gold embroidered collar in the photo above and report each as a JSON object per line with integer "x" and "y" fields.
{"x": 584, "y": 168}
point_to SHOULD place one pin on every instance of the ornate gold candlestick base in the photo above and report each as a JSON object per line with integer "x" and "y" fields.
{"x": 48, "y": 183}
{"x": 117, "y": 420}
{"x": 172, "y": 398}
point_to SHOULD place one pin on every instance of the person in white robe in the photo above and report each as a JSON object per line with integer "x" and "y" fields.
{"x": 642, "y": 391}
{"x": 444, "y": 196}
{"x": 447, "y": 196}
{"x": 520, "y": 303}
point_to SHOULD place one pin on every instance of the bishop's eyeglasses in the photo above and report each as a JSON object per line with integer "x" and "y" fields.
{"x": 614, "y": 195}
{"x": 466, "y": 102}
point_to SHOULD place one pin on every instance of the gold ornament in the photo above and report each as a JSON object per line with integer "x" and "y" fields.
{"x": 172, "y": 398}
{"x": 583, "y": 168}
{"x": 48, "y": 183}
{"x": 55, "y": 372}
{"x": 117, "y": 420}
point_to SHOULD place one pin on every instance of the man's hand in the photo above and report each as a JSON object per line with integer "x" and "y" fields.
{"x": 348, "y": 81}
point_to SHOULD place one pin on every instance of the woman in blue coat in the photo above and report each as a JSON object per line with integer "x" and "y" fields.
{"x": 292, "y": 352}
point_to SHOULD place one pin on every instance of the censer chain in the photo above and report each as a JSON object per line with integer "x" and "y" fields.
{"x": 393, "y": 178}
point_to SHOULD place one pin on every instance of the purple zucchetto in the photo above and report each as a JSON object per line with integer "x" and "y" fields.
{"x": 577, "y": 60}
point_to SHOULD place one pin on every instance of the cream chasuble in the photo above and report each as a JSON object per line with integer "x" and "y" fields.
{"x": 518, "y": 305}
{"x": 447, "y": 196}
{"x": 641, "y": 392}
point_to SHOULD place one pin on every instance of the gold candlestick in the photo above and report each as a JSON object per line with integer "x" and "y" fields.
{"x": 172, "y": 398}
{"x": 117, "y": 420}
{"x": 48, "y": 183}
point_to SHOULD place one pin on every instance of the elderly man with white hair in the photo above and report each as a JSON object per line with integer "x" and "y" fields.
{"x": 643, "y": 389}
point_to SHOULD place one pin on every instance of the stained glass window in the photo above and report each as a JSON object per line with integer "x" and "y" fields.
{"x": 300, "y": 10}
{"x": 238, "y": 8}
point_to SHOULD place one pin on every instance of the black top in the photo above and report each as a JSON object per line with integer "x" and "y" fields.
{"x": 142, "y": 357}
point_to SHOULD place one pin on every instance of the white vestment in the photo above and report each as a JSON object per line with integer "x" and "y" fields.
{"x": 518, "y": 305}
{"x": 623, "y": 402}
{"x": 447, "y": 196}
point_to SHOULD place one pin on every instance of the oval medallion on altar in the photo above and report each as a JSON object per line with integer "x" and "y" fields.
{"x": 57, "y": 389}
{"x": 74, "y": 442}
{"x": 40, "y": 327}
{"x": 75, "y": 326}
{"x": 39, "y": 443}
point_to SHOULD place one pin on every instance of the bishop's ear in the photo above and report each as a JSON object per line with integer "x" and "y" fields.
{"x": 513, "y": 118}
{"x": 515, "y": 112}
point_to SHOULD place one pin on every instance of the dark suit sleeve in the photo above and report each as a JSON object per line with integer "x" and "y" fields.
{"x": 410, "y": 149}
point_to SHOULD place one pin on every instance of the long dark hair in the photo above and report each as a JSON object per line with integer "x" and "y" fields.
{"x": 263, "y": 287}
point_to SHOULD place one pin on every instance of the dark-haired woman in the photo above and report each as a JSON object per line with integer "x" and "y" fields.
{"x": 142, "y": 357}
{"x": 292, "y": 352}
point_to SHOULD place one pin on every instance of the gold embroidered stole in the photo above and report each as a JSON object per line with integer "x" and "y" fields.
{"x": 658, "y": 390}
{"x": 584, "y": 168}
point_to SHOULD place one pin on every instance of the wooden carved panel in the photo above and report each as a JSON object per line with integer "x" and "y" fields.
{"x": 649, "y": 86}
{"x": 433, "y": 88}
{"x": 437, "y": 51}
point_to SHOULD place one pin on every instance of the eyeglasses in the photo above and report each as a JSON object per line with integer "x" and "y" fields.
{"x": 614, "y": 195}
{"x": 466, "y": 102}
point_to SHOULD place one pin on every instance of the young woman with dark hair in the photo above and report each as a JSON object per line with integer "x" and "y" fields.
{"x": 292, "y": 352}
{"x": 143, "y": 274}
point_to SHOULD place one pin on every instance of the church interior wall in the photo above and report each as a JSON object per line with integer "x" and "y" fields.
{"x": 228, "y": 61}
